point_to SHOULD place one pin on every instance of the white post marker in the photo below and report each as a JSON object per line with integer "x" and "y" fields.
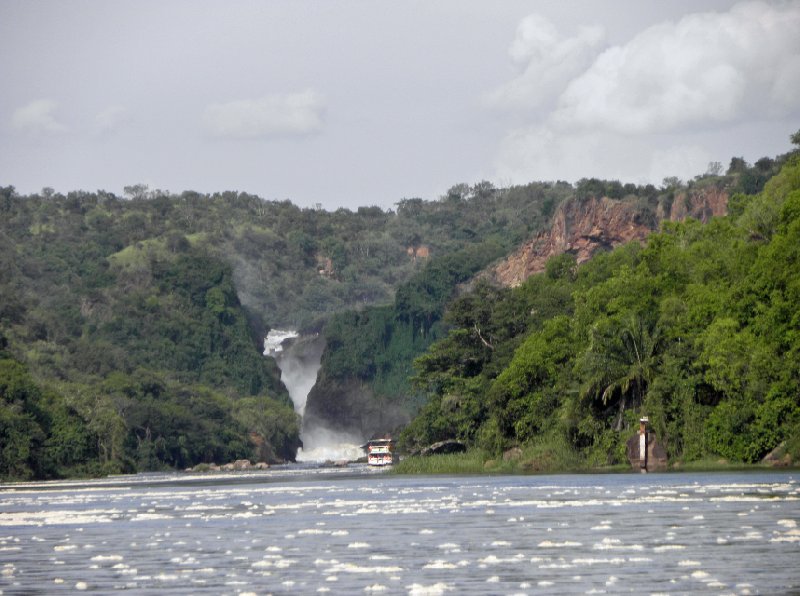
{"x": 643, "y": 443}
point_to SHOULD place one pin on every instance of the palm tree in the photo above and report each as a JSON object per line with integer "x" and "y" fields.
{"x": 620, "y": 363}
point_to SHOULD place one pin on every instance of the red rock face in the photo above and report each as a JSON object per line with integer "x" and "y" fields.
{"x": 583, "y": 227}
{"x": 711, "y": 202}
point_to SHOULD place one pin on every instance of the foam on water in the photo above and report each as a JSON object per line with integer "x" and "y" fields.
{"x": 284, "y": 531}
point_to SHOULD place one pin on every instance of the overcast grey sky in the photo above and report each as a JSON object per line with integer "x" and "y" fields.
{"x": 366, "y": 102}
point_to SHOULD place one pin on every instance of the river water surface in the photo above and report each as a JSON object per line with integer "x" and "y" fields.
{"x": 305, "y": 530}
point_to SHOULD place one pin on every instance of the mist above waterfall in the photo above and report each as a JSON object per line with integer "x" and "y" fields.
{"x": 299, "y": 359}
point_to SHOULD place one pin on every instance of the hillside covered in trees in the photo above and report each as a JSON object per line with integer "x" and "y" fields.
{"x": 132, "y": 327}
{"x": 698, "y": 328}
{"x": 365, "y": 385}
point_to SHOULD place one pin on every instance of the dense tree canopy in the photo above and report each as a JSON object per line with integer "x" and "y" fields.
{"x": 134, "y": 325}
{"x": 699, "y": 329}
{"x": 131, "y": 327}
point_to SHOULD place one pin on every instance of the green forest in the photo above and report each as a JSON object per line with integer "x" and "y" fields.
{"x": 131, "y": 327}
{"x": 699, "y": 330}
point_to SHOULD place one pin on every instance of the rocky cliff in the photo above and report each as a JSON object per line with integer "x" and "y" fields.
{"x": 583, "y": 227}
{"x": 349, "y": 406}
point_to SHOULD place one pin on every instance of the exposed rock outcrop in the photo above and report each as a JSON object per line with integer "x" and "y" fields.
{"x": 349, "y": 406}
{"x": 656, "y": 454}
{"x": 702, "y": 205}
{"x": 444, "y": 447}
{"x": 778, "y": 457}
{"x": 583, "y": 227}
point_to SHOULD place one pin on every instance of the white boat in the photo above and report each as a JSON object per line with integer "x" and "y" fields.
{"x": 380, "y": 452}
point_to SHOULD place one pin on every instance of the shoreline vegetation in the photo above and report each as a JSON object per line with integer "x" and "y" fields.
{"x": 479, "y": 461}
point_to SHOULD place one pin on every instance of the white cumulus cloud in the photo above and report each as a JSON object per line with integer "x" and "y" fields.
{"x": 37, "y": 118}
{"x": 543, "y": 153}
{"x": 649, "y": 108}
{"x": 548, "y": 61}
{"x": 706, "y": 68}
{"x": 272, "y": 115}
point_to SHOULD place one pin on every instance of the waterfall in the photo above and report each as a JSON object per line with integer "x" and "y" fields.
{"x": 299, "y": 359}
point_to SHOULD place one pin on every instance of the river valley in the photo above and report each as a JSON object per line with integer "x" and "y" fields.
{"x": 302, "y": 529}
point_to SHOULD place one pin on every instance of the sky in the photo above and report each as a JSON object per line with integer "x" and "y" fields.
{"x": 366, "y": 102}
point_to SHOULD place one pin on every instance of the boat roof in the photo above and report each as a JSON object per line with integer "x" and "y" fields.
{"x": 377, "y": 442}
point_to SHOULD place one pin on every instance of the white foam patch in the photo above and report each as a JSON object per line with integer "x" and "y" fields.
{"x": 599, "y": 561}
{"x": 64, "y": 547}
{"x": 150, "y": 517}
{"x": 353, "y": 568}
{"x": 432, "y": 590}
{"x": 106, "y": 558}
{"x": 493, "y": 560}
{"x": 615, "y": 544}
{"x": 785, "y": 539}
{"x": 63, "y": 517}
{"x": 440, "y": 564}
{"x": 601, "y": 528}
{"x": 753, "y": 535}
{"x": 166, "y": 577}
{"x": 565, "y": 544}
{"x": 497, "y": 543}
{"x": 668, "y": 547}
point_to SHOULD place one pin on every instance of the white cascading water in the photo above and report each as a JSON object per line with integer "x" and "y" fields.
{"x": 299, "y": 369}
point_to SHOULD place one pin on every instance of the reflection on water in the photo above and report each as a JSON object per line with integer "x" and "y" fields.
{"x": 303, "y": 530}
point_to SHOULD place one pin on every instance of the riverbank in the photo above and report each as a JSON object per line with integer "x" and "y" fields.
{"x": 477, "y": 461}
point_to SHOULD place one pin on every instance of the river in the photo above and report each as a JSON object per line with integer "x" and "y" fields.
{"x": 309, "y": 530}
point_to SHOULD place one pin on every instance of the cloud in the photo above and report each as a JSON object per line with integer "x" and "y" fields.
{"x": 272, "y": 115}
{"x": 548, "y": 62}
{"x": 111, "y": 119}
{"x": 37, "y": 118}
{"x": 706, "y": 68}
{"x": 622, "y": 115}
{"x": 542, "y": 152}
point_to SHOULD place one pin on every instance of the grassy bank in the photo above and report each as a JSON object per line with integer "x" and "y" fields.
{"x": 477, "y": 461}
